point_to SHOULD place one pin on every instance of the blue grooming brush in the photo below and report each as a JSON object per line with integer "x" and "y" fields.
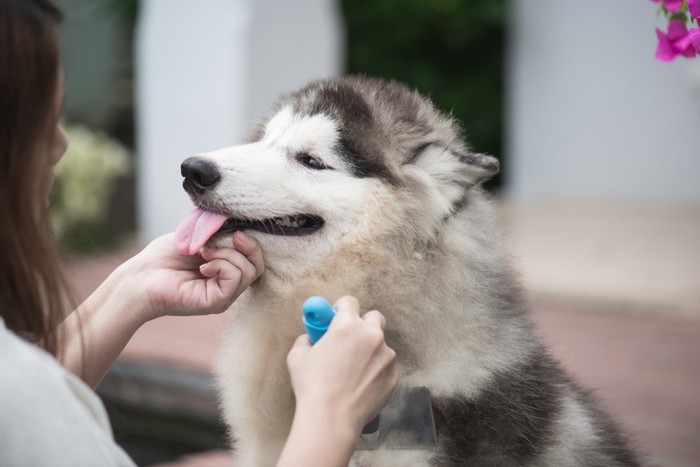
{"x": 407, "y": 421}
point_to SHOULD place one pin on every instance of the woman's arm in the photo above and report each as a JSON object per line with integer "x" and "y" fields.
{"x": 156, "y": 282}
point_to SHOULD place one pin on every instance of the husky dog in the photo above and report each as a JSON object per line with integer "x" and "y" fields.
{"x": 361, "y": 186}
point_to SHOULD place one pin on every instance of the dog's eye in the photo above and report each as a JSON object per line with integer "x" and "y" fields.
{"x": 311, "y": 162}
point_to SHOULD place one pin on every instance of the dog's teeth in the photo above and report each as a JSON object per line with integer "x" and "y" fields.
{"x": 287, "y": 222}
{"x": 291, "y": 222}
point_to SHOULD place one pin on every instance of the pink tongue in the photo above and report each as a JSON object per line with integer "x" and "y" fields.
{"x": 195, "y": 229}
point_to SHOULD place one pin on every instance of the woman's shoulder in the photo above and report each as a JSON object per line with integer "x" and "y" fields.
{"x": 22, "y": 362}
{"x": 28, "y": 375}
{"x": 45, "y": 410}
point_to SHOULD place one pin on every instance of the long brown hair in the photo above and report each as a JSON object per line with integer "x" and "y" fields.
{"x": 32, "y": 285}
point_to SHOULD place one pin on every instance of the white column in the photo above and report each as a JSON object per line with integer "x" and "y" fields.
{"x": 206, "y": 71}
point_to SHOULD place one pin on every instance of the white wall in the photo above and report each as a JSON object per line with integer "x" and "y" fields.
{"x": 591, "y": 113}
{"x": 206, "y": 71}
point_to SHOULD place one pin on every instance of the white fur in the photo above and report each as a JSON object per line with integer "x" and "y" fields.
{"x": 576, "y": 439}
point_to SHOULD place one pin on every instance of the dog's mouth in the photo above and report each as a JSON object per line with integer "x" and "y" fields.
{"x": 199, "y": 226}
{"x": 300, "y": 224}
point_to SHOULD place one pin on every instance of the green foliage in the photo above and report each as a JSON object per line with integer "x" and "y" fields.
{"x": 84, "y": 181}
{"x": 128, "y": 9}
{"x": 451, "y": 50}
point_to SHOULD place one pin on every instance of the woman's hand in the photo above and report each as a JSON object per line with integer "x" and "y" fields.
{"x": 156, "y": 282}
{"x": 167, "y": 283}
{"x": 340, "y": 384}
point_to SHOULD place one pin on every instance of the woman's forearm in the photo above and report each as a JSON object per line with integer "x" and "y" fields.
{"x": 93, "y": 336}
{"x": 319, "y": 439}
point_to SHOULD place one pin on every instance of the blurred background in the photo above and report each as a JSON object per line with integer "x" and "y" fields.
{"x": 598, "y": 194}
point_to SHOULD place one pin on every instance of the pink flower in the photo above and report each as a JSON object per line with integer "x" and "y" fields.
{"x": 676, "y": 42}
{"x": 694, "y": 8}
{"x": 694, "y": 36}
{"x": 671, "y": 5}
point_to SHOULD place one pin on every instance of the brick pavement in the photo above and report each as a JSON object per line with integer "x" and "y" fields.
{"x": 645, "y": 370}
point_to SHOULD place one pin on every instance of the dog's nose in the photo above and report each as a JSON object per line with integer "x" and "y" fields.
{"x": 199, "y": 173}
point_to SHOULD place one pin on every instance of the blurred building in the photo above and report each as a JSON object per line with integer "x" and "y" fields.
{"x": 603, "y": 143}
{"x": 591, "y": 114}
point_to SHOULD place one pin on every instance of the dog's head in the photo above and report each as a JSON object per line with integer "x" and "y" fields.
{"x": 339, "y": 162}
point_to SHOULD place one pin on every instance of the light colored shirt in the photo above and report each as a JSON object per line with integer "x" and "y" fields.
{"x": 48, "y": 416}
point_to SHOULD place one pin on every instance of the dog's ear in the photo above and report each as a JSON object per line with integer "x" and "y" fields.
{"x": 451, "y": 172}
{"x": 481, "y": 167}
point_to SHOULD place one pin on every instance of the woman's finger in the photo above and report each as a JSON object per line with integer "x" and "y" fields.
{"x": 248, "y": 272}
{"x": 301, "y": 344}
{"x": 375, "y": 318}
{"x": 227, "y": 277}
{"x": 347, "y": 305}
{"x": 251, "y": 250}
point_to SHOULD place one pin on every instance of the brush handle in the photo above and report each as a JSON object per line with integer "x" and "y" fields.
{"x": 318, "y": 314}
